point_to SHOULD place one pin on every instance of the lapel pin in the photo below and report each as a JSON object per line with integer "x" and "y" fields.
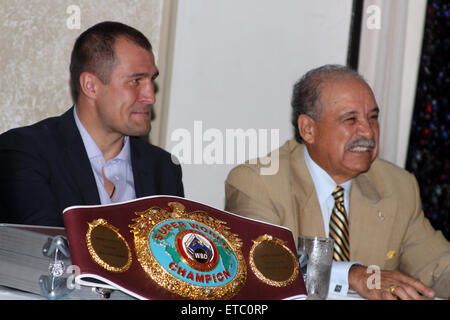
{"x": 380, "y": 216}
{"x": 391, "y": 254}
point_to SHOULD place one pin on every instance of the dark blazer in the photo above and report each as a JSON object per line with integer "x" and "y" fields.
{"x": 44, "y": 168}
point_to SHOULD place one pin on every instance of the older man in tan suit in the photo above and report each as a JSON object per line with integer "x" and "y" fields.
{"x": 336, "y": 119}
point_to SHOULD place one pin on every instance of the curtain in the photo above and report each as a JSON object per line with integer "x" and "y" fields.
{"x": 391, "y": 39}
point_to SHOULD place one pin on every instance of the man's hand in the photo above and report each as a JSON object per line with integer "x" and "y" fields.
{"x": 393, "y": 285}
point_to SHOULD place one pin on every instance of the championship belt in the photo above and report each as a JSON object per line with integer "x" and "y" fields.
{"x": 165, "y": 247}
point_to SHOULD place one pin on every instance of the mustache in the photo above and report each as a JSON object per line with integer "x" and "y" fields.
{"x": 143, "y": 107}
{"x": 362, "y": 142}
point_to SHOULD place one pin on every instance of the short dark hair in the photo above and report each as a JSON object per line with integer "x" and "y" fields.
{"x": 93, "y": 51}
{"x": 306, "y": 92}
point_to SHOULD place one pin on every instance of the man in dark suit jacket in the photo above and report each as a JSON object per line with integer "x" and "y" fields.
{"x": 49, "y": 166}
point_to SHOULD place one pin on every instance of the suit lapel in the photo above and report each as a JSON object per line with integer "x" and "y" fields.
{"x": 371, "y": 214}
{"x": 74, "y": 155}
{"x": 144, "y": 182}
{"x": 306, "y": 201}
{"x": 371, "y": 221}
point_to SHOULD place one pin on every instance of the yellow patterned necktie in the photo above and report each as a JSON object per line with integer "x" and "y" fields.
{"x": 339, "y": 227}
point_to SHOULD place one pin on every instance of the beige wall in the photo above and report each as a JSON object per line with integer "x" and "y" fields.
{"x": 35, "y": 47}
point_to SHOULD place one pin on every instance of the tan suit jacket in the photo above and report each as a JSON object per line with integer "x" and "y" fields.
{"x": 386, "y": 224}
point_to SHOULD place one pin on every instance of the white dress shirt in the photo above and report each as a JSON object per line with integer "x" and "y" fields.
{"x": 325, "y": 186}
{"x": 118, "y": 170}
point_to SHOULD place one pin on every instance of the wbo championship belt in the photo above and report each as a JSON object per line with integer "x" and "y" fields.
{"x": 165, "y": 247}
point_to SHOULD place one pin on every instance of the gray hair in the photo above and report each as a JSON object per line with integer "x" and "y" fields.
{"x": 306, "y": 93}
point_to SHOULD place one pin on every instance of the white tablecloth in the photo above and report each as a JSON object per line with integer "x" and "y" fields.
{"x": 12, "y": 294}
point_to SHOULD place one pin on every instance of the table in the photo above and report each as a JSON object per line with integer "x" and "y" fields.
{"x": 13, "y": 294}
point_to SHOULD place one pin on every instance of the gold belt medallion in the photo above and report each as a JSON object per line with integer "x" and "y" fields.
{"x": 273, "y": 262}
{"x": 189, "y": 253}
{"x": 107, "y": 246}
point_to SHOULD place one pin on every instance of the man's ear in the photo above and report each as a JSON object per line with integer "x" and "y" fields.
{"x": 306, "y": 128}
{"x": 89, "y": 84}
